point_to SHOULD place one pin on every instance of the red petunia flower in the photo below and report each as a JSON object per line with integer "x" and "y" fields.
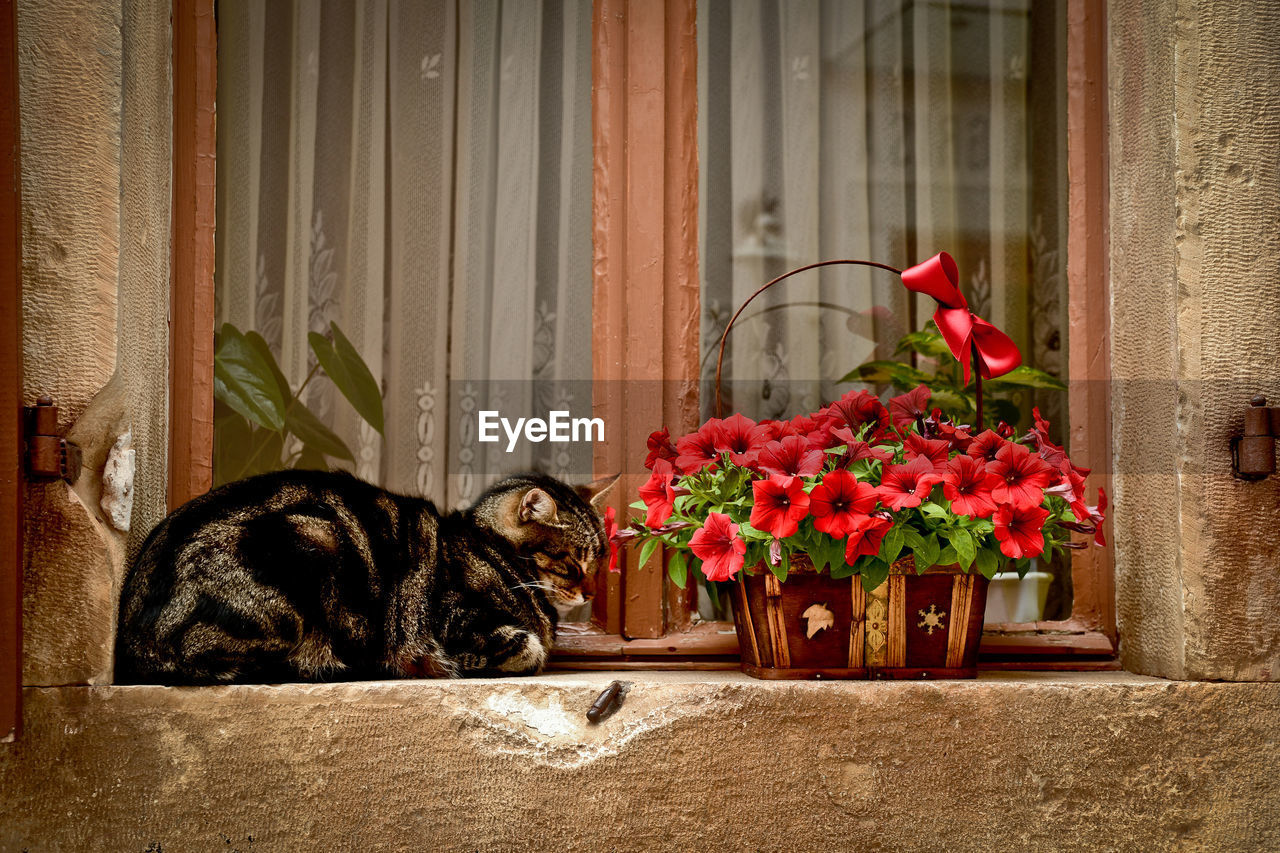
{"x": 840, "y": 503}
{"x": 697, "y": 451}
{"x": 855, "y": 409}
{"x": 1020, "y": 530}
{"x": 866, "y": 538}
{"x": 905, "y": 408}
{"x": 741, "y": 438}
{"x": 985, "y": 445}
{"x": 1023, "y": 476}
{"x": 790, "y": 457}
{"x": 780, "y": 504}
{"x": 958, "y": 437}
{"x": 967, "y": 484}
{"x": 719, "y": 546}
{"x": 660, "y": 447}
{"x": 933, "y": 449}
{"x": 611, "y": 531}
{"x": 907, "y": 485}
{"x": 859, "y": 449}
{"x": 1099, "y": 515}
{"x": 659, "y": 493}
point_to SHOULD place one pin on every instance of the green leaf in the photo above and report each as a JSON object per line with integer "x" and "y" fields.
{"x": 891, "y": 547}
{"x": 637, "y": 505}
{"x": 350, "y": 374}
{"x": 927, "y": 554}
{"x": 966, "y": 548}
{"x": 987, "y": 562}
{"x": 300, "y": 421}
{"x": 952, "y": 402}
{"x": 826, "y": 552}
{"x": 925, "y": 342}
{"x": 932, "y": 510}
{"x": 948, "y": 555}
{"x": 1025, "y": 377}
{"x": 311, "y": 459}
{"x": 646, "y": 551}
{"x": 263, "y": 453}
{"x": 259, "y": 343}
{"x": 894, "y": 372}
{"x": 243, "y": 380}
{"x": 713, "y": 593}
{"x": 841, "y": 570}
{"x": 678, "y": 568}
{"x": 874, "y": 573}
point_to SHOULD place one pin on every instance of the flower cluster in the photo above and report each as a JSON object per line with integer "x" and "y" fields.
{"x": 855, "y": 485}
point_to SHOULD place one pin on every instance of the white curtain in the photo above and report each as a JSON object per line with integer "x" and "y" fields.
{"x": 885, "y": 130}
{"x": 419, "y": 172}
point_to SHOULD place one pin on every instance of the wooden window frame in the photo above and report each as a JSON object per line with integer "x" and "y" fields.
{"x": 11, "y": 491}
{"x": 645, "y": 331}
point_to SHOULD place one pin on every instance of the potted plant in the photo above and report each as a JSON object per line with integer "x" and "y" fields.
{"x": 859, "y": 538}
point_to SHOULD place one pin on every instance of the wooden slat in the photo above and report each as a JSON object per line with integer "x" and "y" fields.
{"x": 743, "y": 606}
{"x": 896, "y": 648}
{"x": 858, "y": 622}
{"x": 777, "y": 624}
{"x": 876, "y": 626}
{"x": 195, "y": 79}
{"x": 703, "y": 639}
{"x": 645, "y": 282}
{"x": 958, "y": 627}
{"x": 10, "y": 383}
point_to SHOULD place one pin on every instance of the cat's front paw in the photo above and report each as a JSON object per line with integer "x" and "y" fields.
{"x": 525, "y": 653}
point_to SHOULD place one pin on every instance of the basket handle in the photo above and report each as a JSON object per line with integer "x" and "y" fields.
{"x": 724, "y": 337}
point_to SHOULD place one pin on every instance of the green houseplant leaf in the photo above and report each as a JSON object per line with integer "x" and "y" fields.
{"x": 243, "y": 380}
{"x": 312, "y": 432}
{"x": 350, "y": 374}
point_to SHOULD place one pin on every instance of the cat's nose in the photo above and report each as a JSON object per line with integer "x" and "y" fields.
{"x": 588, "y": 585}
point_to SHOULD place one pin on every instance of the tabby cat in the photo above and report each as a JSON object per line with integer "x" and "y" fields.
{"x": 316, "y": 575}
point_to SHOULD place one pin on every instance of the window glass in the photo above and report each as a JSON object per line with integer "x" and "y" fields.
{"x": 888, "y": 131}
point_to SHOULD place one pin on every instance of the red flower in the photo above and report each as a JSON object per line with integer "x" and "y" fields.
{"x": 866, "y": 538}
{"x": 610, "y": 531}
{"x": 855, "y": 409}
{"x": 780, "y": 504}
{"x": 660, "y": 447}
{"x": 659, "y": 493}
{"x": 985, "y": 445}
{"x": 860, "y": 449}
{"x": 1098, "y": 515}
{"x": 958, "y": 437}
{"x": 719, "y": 547}
{"x": 1020, "y": 530}
{"x": 933, "y": 449}
{"x": 840, "y": 503}
{"x": 907, "y": 485}
{"x": 905, "y": 408}
{"x": 967, "y": 484}
{"x": 1023, "y": 476}
{"x": 790, "y": 457}
{"x": 698, "y": 450}
{"x": 741, "y": 438}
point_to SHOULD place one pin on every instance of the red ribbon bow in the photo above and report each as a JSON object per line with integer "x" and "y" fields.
{"x": 963, "y": 330}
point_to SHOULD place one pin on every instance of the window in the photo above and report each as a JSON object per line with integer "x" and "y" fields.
{"x": 646, "y": 358}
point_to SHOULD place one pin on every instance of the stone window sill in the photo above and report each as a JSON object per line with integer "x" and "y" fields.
{"x": 1010, "y": 760}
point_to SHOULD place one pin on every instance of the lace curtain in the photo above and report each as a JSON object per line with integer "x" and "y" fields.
{"x": 418, "y": 172}
{"x": 886, "y": 130}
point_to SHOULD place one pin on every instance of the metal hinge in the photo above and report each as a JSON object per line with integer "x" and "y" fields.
{"x": 49, "y": 454}
{"x": 1253, "y": 455}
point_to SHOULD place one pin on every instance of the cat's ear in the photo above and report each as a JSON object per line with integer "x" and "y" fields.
{"x": 537, "y": 505}
{"x": 594, "y": 492}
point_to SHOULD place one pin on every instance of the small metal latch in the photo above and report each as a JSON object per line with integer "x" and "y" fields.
{"x": 1253, "y": 455}
{"x": 49, "y": 454}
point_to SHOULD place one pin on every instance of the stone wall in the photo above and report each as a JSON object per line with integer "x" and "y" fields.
{"x": 1195, "y": 248}
{"x": 689, "y": 762}
{"x": 95, "y": 112}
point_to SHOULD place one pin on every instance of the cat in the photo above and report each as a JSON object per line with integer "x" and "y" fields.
{"x": 317, "y": 575}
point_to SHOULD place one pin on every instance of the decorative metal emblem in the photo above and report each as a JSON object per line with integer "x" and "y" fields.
{"x": 932, "y": 619}
{"x": 819, "y": 617}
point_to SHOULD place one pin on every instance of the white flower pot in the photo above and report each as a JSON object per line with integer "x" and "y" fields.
{"x": 1014, "y": 599}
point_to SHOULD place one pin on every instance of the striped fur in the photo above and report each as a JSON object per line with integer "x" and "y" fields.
{"x": 310, "y": 575}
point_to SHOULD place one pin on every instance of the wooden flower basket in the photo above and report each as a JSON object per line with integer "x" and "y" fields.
{"x": 811, "y": 626}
